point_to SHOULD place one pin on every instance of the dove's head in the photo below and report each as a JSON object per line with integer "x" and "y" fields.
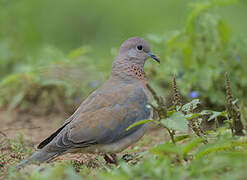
{"x": 132, "y": 55}
{"x": 136, "y": 51}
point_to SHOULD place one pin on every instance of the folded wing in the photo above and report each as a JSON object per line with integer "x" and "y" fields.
{"x": 105, "y": 118}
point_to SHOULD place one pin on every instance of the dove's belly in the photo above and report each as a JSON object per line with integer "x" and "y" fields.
{"x": 115, "y": 147}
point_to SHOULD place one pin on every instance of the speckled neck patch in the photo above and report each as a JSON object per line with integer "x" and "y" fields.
{"x": 138, "y": 72}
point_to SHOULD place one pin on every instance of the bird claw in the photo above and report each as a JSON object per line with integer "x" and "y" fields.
{"x": 111, "y": 160}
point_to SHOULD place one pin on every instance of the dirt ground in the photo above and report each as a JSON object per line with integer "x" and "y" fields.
{"x": 37, "y": 128}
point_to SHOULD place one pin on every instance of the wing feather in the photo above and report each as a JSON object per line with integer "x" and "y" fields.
{"x": 104, "y": 118}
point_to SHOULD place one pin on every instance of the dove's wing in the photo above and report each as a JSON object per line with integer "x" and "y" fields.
{"x": 85, "y": 106}
{"x": 105, "y": 117}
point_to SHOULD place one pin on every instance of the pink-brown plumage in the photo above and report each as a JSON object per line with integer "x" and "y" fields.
{"x": 99, "y": 124}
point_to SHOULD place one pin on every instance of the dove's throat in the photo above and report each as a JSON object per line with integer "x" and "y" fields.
{"x": 128, "y": 71}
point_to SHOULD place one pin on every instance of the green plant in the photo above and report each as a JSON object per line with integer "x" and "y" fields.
{"x": 47, "y": 79}
{"x": 201, "y": 53}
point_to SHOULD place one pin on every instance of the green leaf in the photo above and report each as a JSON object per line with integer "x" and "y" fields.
{"x": 215, "y": 147}
{"x": 191, "y": 145}
{"x": 243, "y": 111}
{"x": 181, "y": 138}
{"x": 171, "y": 108}
{"x": 224, "y": 31}
{"x": 199, "y": 8}
{"x": 79, "y": 52}
{"x": 191, "y": 116}
{"x": 177, "y": 121}
{"x": 213, "y": 114}
{"x": 139, "y": 123}
{"x": 169, "y": 113}
{"x": 187, "y": 53}
{"x": 168, "y": 148}
{"x": 194, "y": 102}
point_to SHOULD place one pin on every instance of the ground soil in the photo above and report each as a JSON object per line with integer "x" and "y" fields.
{"x": 37, "y": 128}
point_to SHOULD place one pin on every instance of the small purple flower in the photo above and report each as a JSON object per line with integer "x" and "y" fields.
{"x": 94, "y": 84}
{"x": 180, "y": 75}
{"x": 237, "y": 58}
{"x": 78, "y": 99}
{"x": 194, "y": 94}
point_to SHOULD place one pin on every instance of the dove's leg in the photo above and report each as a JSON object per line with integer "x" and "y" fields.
{"x": 108, "y": 159}
{"x": 112, "y": 160}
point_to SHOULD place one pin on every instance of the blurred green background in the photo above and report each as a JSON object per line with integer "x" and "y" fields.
{"x": 70, "y": 24}
{"x": 56, "y": 49}
{"x": 104, "y": 24}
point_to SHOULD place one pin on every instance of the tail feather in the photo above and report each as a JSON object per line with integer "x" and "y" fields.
{"x": 38, "y": 157}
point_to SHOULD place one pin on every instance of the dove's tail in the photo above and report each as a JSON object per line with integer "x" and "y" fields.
{"x": 38, "y": 157}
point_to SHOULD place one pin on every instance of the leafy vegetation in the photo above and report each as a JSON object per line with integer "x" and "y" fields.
{"x": 49, "y": 79}
{"x": 201, "y": 53}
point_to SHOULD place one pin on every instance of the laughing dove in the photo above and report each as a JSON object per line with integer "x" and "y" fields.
{"x": 99, "y": 124}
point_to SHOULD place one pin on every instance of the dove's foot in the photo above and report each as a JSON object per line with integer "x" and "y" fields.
{"x": 112, "y": 160}
{"x": 115, "y": 159}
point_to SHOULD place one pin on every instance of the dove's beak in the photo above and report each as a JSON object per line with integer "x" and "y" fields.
{"x": 154, "y": 57}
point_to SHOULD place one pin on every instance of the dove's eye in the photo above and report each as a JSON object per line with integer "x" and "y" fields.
{"x": 139, "y": 47}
